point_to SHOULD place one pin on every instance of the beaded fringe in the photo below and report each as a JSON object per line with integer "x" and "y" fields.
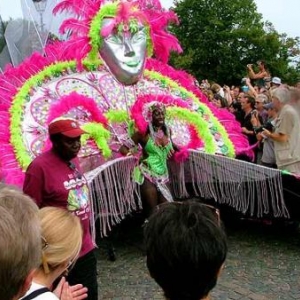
{"x": 247, "y": 187}
{"x": 114, "y": 193}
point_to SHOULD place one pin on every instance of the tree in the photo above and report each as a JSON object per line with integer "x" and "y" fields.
{"x": 220, "y": 37}
{"x": 2, "y": 30}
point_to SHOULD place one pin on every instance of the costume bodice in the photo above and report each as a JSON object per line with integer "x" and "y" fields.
{"x": 157, "y": 156}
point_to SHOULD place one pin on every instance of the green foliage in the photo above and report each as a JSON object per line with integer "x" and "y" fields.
{"x": 220, "y": 37}
{"x": 2, "y": 31}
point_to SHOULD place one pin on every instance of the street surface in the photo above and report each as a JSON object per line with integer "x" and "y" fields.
{"x": 263, "y": 263}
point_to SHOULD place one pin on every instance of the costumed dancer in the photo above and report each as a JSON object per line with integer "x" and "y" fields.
{"x": 157, "y": 147}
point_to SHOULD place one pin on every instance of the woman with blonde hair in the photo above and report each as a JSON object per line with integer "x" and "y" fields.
{"x": 61, "y": 244}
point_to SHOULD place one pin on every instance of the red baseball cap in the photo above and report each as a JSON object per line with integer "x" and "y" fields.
{"x": 67, "y": 127}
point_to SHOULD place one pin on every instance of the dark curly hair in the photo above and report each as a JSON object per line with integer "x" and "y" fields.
{"x": 186, "y": 248}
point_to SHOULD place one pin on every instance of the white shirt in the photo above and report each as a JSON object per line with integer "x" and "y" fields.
{"x": 44, "y": 296}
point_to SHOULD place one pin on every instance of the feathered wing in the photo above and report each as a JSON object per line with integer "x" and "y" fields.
{"x": 74, "y": 25}
{"x": 79, "y": 8}
{"x": 69, "y": 6}
{"x": 164, "y": 42}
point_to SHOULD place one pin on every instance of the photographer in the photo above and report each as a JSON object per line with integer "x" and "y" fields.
{"x": 262, "y": 77}
{"x": 248, "y": 87}
{"x": 268, "y": 155}
{"x": 251, "y": 118}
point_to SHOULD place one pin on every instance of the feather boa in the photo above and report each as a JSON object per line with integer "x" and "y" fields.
{"x": 74, "y": 100}
{"x": 137, "y": 108}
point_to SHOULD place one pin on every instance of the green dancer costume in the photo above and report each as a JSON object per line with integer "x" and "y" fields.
{"x": 154, "y": 167}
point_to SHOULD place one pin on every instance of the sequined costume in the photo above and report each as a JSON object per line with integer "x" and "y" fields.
{"x": 155, "y": 168}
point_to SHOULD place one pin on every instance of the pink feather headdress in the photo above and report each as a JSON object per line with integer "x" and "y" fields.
{"x": 150, "y": 107}
{"x": 148, "y": 12}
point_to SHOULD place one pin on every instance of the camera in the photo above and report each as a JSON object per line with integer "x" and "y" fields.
{"x": 268, "y": 126}
{"x": 254, "y": 113}
{"x": 245, "y": 88}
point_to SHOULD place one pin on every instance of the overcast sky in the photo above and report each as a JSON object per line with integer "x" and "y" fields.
{"x": 284, "y": 14}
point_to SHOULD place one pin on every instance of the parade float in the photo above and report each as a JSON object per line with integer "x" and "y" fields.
{"x": 115, "y": 62}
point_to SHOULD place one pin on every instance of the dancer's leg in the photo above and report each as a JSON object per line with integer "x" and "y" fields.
{"x": 161, "y": 198}
{"x": 149, "y": 197}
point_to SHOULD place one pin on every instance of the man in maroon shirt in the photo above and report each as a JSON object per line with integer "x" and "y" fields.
{"x": 54, "y": 179}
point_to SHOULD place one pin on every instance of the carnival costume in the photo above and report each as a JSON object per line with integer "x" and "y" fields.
{"x": 90, "y": 79}
{"x": 154, "y": 167}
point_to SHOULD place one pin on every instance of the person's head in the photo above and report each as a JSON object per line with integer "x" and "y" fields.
{"x": 247, "y": 103}
{"x": 235, "y": 107}
{"x": 280, "y": 97}
{"x": 271, "y": 111}
{"x": 209, "y": 93}
{"x": 263, "y": 90}
{"x": 260, "y": 101}
{"x": 236, "y": 91}
{"x": 158, "y": 116}
{"x": 256, "y": 88}
{"x": 240, "y": 97}
{"x": 61, "y": 239}
{"x": 186, "y": 249}
{"x": 155, "y": 113}
{"x": 65, "y": 137}
{"x": 276, "y": 82}
{"x": 216, "y": 88}
{"x": 20, "y": 243}
{"x": 261, "y": 65}
{"x": 220, "y": 101}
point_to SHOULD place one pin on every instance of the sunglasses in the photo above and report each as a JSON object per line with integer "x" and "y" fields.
{"x": 214, "y": 211}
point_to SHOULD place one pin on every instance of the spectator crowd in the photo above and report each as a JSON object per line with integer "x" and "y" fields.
{"x": 268, "y": 111}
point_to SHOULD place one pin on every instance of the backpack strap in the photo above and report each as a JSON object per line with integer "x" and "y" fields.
{"x": 36, "y": 293}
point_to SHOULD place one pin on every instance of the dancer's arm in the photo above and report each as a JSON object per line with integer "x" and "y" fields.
{"x": 130, "y": 144}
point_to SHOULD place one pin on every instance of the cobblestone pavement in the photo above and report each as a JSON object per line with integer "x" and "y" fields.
{"x": 263, "y": 263}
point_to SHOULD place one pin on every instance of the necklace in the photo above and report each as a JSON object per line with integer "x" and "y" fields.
{"x": 159, "y": 134}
